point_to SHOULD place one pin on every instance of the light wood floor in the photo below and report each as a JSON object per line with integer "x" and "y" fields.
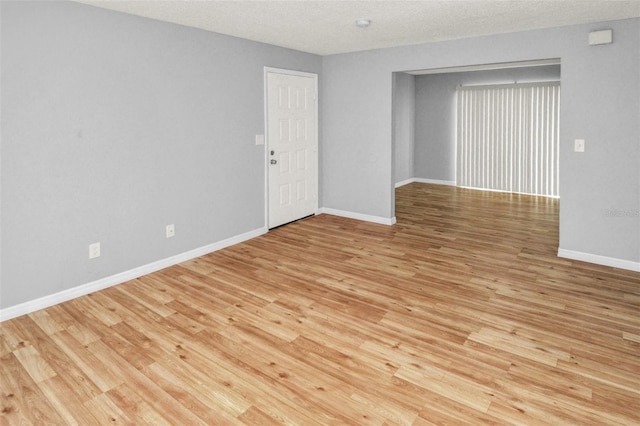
{"x": 459, "y": 314}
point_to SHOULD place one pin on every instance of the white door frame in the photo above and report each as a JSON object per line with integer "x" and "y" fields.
{"x": 314, "y": 76}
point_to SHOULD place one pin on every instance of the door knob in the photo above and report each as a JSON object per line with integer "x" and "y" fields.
{"x": 274, "y": 161}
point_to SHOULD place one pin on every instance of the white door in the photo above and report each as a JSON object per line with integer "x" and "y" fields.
{"x": 292, "y": 147}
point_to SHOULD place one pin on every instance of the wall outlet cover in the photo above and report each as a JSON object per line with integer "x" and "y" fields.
{"x": 94, "y": 250}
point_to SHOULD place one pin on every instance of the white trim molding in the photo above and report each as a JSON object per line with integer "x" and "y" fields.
{"x": 422, "y": 180}
{"x": 600, "y": 260}
{"x": 122, "y": 277}
{"x": 358, "y": 216}
{"x": 405, "y": 182}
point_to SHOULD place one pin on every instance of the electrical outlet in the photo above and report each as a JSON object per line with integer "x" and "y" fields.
{"x": 171, "y": 230}
{"x": 94, "y": 250}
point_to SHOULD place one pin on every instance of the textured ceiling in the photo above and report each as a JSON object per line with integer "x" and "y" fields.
{"x": 328, "y": 27}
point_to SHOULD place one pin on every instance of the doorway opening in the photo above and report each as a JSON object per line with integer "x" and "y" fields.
{"x": 424, "y": 114}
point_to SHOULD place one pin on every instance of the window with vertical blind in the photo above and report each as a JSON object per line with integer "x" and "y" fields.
{"x": 507, "y": 137}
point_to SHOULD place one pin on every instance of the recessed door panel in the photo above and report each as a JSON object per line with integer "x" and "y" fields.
{"x": 301, "y": 160}
{"x": 301, "y": 191}
{"x": 301, "y": 129}
{"x": 284, "y": 160}
{"x": 284, "y": 127}
{"x": 285, "y": 195}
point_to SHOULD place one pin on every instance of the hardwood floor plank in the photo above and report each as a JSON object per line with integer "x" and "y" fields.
{"x": 107, "y": 411}
{"x": 34, "y": 364}
{"x": 461, "y": 313}
{"x": 146, "y": 299}
{"x": 176, "y": 380}
{"x": 132, "y": 350}
{"x": 234, "y": 368}
{"x": 32, "y": 335}
{"x": 443, "y": 411}
{"x": 146, "y": 389}
{"x": 5, "y": 348}
{"x": 70, "y": 408}
{"x": 23, "y": 402}
{"x": 14, "y": 410}
{"x": 91, "y": 366}
{"x": 136, "y": 408}
{"x": 525, "y": 348}
{"x": 450, "y": 386}
{"x": 331, "y": 396}
{"x": 255, "y": 416}
{"x": 84, "y": 321}
{"x": 46, "y": 322}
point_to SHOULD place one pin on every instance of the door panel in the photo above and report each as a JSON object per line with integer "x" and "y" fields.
{"x": 292, "y": 147}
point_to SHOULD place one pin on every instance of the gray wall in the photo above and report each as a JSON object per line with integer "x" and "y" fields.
{"x": 435, "y": 144}
{"x": 600, "y": 103}
{"x": 404, "y": 113}
{"x": 114, "y": 126}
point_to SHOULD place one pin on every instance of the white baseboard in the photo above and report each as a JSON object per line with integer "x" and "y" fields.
{"x": 436, "y": 181}
{"x": 405, "y": 182}
{"x": 423, "y": 180}
{"x": 358, "y": 216}
{"x": 82, "y": 290}
{"x": 600, "y": 260}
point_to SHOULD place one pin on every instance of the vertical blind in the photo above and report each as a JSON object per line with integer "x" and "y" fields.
{"x": 507, "y": 137}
